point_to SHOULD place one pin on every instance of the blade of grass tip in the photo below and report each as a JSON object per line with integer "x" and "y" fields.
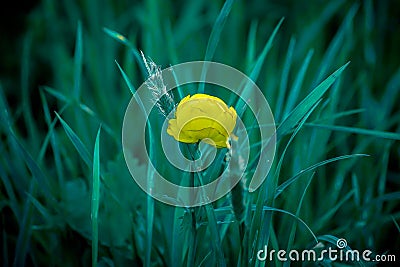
{"x": 298, "y": 82}
{"x": 95, "y": 199}
{"x": 293, "y": 228}
{"x": 47, "y": 138}
{"x": 81, "y": 148}
{"x": 24, "y": 233}
{"x": 284, "y": 79}
{"x": 266, "y": 208}
{"x": 395, "y": 223}
{"x": 214, "y": 37}
{"x": 78, "y": 62}
{"x": 127, "y": 81}
{"x": 76, "y": 141}
{"x": 82, "y": 106}
{"x": 318, "y": 23}
{"x": 287, "y": 183}
{"x": 339, "y": 115}
{"x": 123, "y": 40}
{"x": 251, "y": 45}
{"x": 53, "y": 141}
{"x": 298, "y": 128}
{"x": 56, "y": 94}
{"x": 280, "y": 162}
{"x": 42, "y": 210}
{"x": 257, "y": 68}
{"x": 298, "y": 112}
{"x": 354, "y": 130}
{"x": 331, "y": 53}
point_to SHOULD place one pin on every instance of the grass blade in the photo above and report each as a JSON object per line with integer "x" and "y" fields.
{"x": 301, "y": 109}
{"x": 123, "y": 40}
{"x": 37, "y": 173}
{"x": 284, "y": 185}
{"x": 284, "y": 79}
{"x": 396, "y": 224}
{"x": 76, "y": 141}
{"x": 295, "y": 90}
{"x": 256, "y": 69}
{"x": 215, "y": 36}
{"x": 53, "y": 141}
{"x": 354, "y": 130}
{"x": 293, "y": 228}
{"x": 337, "y": 41}
{"x": 78, "y": 62}
{"x": 251, "y": 45}
{"x": 95, "y": 199}
{"x": 266, "y": 208}
{"x": 24, "y": 233}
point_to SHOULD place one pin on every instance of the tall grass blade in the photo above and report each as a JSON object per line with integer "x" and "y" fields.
{"x": 301, "y": 109}
{"x": 95, "y": 199}
{"x": 76, "y": 141}
{"x": 337, "y": 42}
{"x": 244, "y": 92}
{"x": 37, "y": 173}
{"x": 295, "y": 90}
{"x": 354, "y": 130}
{"x": 53, "y": 141}
{"x": 266, "y": 208}
{"x": 284, "y": 185}
{"x": 284, "y": 79}
{"x": 215, "y": 36}
{"x": 123, "y": 40}
{"x": 293, "y": 228}
{"x": 78, "y": 62}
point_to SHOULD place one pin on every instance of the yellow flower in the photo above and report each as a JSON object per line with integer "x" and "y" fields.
{"x": 203, "y": 117}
